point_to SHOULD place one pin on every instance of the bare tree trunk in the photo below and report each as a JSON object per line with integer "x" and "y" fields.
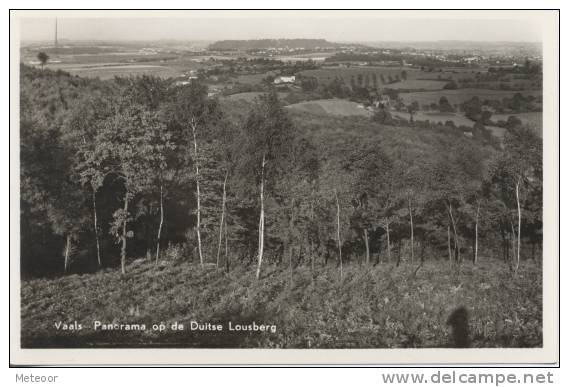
{"x": 507, "y": 248}
{"x": 422, "y": 249}
{"x": 290, "y": 253}
{"x": 261, "y": 219}
{"x": 290, "y": 241}
{"x": 412, "y": 232}
{"x": 388, "y": 243}
{"x": 311, "y": 244}
{"x": 456, "y": 242}
{"x": 519, "y": 224}
{"x": 95, "y": 226}
{"x": 338, "y": 232}
{"x": 198, "y": 209}
{"x": 161, "y": 223}
{"x": 366, "y": 239}
{"x": 448, "y": 242}
{"x": 124, "y": 224}
{"x": 226, "y": 245}
{"x": 513, "y": 258}
{"x": 476, "y": 234}
{"x": 67, "y": 249}
{"x": 221, "y": 223}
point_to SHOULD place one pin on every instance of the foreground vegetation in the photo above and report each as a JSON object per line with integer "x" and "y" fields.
{"x": 383, "y": 306}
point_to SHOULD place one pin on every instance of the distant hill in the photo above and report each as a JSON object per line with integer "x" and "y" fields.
{"x": 259, "y": 44}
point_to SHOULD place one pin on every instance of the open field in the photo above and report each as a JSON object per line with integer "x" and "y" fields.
{"x": 379, "y": 306}
{"x": 336, "y": 107}
{"x": 250, "y": 96}
{"x": 459, "y": 96}
{"x": 109, "y": 71}
{"x": 316, "y": 57}
{"x": 109, "y": 65}
{"x": 99, "y": 59}
{"x": 417, "y": 84}
{"x": 513, "y": 84}
{"x": 436, "y": 117}
{"x": 497, "y": 131}
{"x": 253, "y": 79}
{"x": 457, "y": 118}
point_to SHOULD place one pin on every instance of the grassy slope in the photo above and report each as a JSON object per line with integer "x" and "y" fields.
{"x": 371, "y": 307}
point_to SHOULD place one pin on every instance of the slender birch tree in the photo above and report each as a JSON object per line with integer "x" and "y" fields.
{"x": 518, "y": 169}
{"x": 192, "y": 115}
{"x": 265, "y": 157}
{"x": 338, "y": 237}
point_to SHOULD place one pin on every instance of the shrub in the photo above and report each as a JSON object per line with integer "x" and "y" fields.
{"x": 174, "y": 252}
{"x": 452, "y": 85}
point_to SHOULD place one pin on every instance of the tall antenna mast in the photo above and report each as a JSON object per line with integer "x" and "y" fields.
{"x": 55, "y": 32}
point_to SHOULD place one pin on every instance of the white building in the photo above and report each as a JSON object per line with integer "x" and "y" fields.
{"x": 279, "y": 80}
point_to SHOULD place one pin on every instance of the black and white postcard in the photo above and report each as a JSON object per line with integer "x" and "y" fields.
{"x": 284, "y": 187}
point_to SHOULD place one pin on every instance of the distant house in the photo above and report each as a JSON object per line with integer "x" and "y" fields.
{"x": 181, "y": 83}
{"x": 213, "y": 91}
{"x": 281, "y": 80}
{"x": 382, "y": 102}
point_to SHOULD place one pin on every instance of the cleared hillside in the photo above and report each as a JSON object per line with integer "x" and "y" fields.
{"x": 370, "y": 307}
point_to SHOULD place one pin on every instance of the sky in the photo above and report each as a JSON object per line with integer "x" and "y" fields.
{"x": 334, "y": 26}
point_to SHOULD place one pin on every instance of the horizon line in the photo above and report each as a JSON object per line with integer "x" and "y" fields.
{"x": 282, "y": 38}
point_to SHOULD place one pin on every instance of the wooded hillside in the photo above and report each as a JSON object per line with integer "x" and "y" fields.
{"x": 138, "y": 167}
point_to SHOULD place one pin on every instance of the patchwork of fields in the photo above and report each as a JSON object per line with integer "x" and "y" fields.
{"x": 426, "y": 86}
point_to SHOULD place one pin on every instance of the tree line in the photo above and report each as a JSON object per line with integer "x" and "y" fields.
{"x": 138, "y": 167}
